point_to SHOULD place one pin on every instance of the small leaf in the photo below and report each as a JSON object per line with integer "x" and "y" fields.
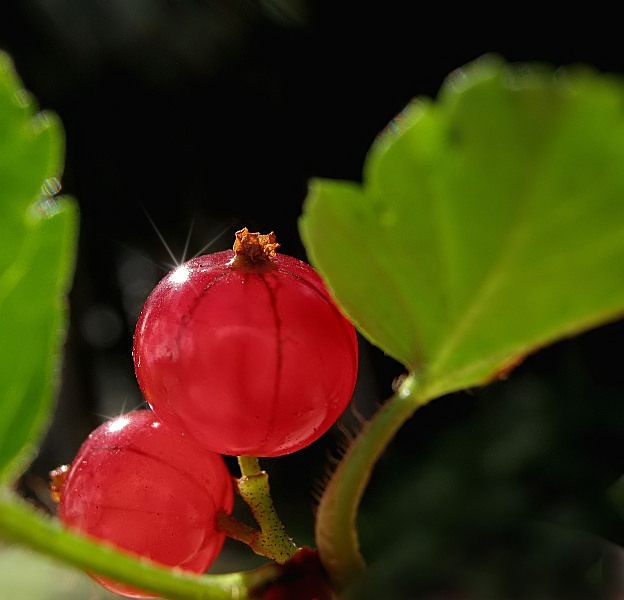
{"x": 489, "y": 223}
{"x": 37, "y": 250}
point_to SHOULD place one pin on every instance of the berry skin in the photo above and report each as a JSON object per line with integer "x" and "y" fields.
{"x": 149, "y": 490}
{"x": 302, "y": 577}
{"x": 246, "y": 350}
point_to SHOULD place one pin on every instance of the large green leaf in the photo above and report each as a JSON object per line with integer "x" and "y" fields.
{"x": 489, "y": 222}
{"x": 37, "y": 249}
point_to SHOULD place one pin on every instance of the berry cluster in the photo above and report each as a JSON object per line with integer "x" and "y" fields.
{"x": 240, "y": 352}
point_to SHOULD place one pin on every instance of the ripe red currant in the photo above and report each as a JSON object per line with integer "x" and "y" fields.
{"x": 246, "y": 350}
{"x": 150, "y": 490}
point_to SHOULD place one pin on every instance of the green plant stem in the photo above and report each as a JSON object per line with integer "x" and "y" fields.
{"x": 271, "y": 540}
{"x": 21, "y": 523}
{"x": 249, "y": 466}
{"x": 336, "y": 535}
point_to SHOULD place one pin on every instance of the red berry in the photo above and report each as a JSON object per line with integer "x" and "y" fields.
{"x": 303, "y": 577}
{"x": 150, "y": 490}
{"x": 246, "y": 350}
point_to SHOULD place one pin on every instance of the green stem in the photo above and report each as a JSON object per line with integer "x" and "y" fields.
{"x": 249, "y": 466}
{"x": 235, "y": 529}
{"x": 21, "y": 523}
{"x": 271, "y": 540}
{"x": 336, "y": 534}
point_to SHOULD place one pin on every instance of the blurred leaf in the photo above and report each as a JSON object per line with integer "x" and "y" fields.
{"x": 37, "y": 248}
{"x": 439, "y": 532}
{"x": 489, "y": 223}
{"x": 25, "y": 574}
{"x": 37, "y": 251}
{"x": 615, "y": 495}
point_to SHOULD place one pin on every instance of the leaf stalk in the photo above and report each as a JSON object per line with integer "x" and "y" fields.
{"x": 335, "y": 529}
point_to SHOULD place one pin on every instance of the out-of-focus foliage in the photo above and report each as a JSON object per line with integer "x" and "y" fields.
{"x": 37, "y": 249}
{"x": 25, "y": 574}
{"x": 506, "y": 501}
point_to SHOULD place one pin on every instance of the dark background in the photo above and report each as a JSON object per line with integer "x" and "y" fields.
{"x": 188, "y": 120}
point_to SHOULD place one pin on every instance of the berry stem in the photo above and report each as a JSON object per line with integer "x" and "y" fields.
{"x": 271, "y": 540}
{"x": 249, "y": 466}
{"x": 235, "y": 529}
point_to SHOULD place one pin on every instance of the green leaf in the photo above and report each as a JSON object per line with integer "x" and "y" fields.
{"x": 37, "y": 252}
{"x": 489, "y": 222}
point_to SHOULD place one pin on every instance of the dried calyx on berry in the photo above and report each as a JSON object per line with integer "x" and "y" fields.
{"x": 58, "y": 477}
{"x": 253, "y": 249}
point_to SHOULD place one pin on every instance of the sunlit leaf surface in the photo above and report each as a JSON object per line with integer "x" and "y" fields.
{"x": 489, "y": 223}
